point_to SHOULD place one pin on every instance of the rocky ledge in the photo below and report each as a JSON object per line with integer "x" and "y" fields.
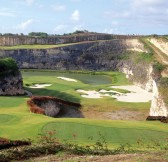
{"x": 11, "y": 83}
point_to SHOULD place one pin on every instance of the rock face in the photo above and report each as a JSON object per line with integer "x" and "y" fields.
{"x": 144, "y": 76}
{"x": 10, "y": 78}
{"x": 104, "y": 55}
{"x": 160, "y": 43}
{"x": 23, "y": 40}
{"x": 11, "y": 85}
{"x": 158, "y": 106}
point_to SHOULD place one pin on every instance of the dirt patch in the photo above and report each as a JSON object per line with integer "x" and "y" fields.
{"x": 151, "y": 157}
{"x": 6, "y": 143}
{"x": 116, "y": 115}
{"x": 50, "y": 106}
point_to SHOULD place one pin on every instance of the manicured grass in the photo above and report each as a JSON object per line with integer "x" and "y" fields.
{"x": 114, "y": 132}
{"x": 16, "y": 121}
{"x": 67, "y": 90}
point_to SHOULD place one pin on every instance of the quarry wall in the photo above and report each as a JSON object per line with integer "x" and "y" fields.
{"x": 26, "y": 40}
{"x": 103, "y": 55}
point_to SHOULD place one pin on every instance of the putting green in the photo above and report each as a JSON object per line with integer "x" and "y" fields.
{"x": 114, "y": 132}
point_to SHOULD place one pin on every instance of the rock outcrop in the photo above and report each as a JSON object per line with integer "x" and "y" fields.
{"x": 11, "y": 83}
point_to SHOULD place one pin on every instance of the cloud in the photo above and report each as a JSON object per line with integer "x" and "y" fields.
{"x": 117, "y": 14}
{"x": 60, "y": 28}
{"x": 6, "y": 12}
{"x": 78, "y": 27}
{"x": 75, "y": 0}
{"x": 75, "y": 15}
{"x": 140, "y": 13}
{"x": 111, "y": 31}
{"x": 58, "y": 7}
{"x": 141, "y": 3}
{"x": 30, "y": 2}
{"x": 24, "y": 25}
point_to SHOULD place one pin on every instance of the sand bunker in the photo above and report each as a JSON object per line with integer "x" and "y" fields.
{"x": 91, "y": 94}
{"x": 136, "y": 94}
{"x": 40, "y": 85}
{"x": 67, "y": 79}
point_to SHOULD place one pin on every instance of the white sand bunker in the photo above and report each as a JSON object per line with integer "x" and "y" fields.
{"x": 91, "y": 94}
{"x": 136, "y": 94}
{"x": 67, "y": 79}
{"x": 40, "y": 85}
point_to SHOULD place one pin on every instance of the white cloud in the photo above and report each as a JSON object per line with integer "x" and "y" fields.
{"x": 58, "y": 7}
{"x": 30, "y": 2}
{"x": 60, "y": 28}
{"x": 78, "y": 27}
{"x": 8, "y": 14}
{"x": 75, "y": 0}
{"x": 24, "y": 25}
{"x": 116, "y": 14}
{"x": 75, "y": 15}
{"x": 140, "y": 3}
{"x": 112, "y": 31}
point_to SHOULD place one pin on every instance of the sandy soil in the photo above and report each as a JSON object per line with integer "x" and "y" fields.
{"x": 40, "y": 85}
{"x": 116, "y": 115}
{"x": 67, "y": 79}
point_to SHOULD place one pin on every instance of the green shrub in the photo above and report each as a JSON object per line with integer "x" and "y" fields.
{"x": 158, "y": 67}
{"x": 7, "y": 66}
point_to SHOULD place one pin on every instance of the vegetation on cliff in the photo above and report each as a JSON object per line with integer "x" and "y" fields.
{"x": 7, "y": 66}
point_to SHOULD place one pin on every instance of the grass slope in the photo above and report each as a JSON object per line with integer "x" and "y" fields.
{"x": 42, "y": 46}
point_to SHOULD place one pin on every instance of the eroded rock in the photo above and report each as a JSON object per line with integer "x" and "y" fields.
{"x": 50, "y": 106}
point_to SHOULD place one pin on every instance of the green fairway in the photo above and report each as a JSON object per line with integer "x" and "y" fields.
{"x": 67, "y": 90}
{"x": 16, "y": 121}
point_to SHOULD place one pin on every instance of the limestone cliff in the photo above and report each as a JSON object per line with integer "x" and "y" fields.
{"x": 145, "y": 76}
{"x": 26, "y": 40}
{"x": 161, "y": 43}
{"x": 101, "y": 55}
{"x": 10, "y": 79}
{"x": 158, "y": 105}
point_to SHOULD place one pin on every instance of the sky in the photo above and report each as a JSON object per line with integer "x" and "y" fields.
{"x": 65, "y": 16}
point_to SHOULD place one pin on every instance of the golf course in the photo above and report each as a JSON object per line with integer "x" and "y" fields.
{"x": 17, "y": 122}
